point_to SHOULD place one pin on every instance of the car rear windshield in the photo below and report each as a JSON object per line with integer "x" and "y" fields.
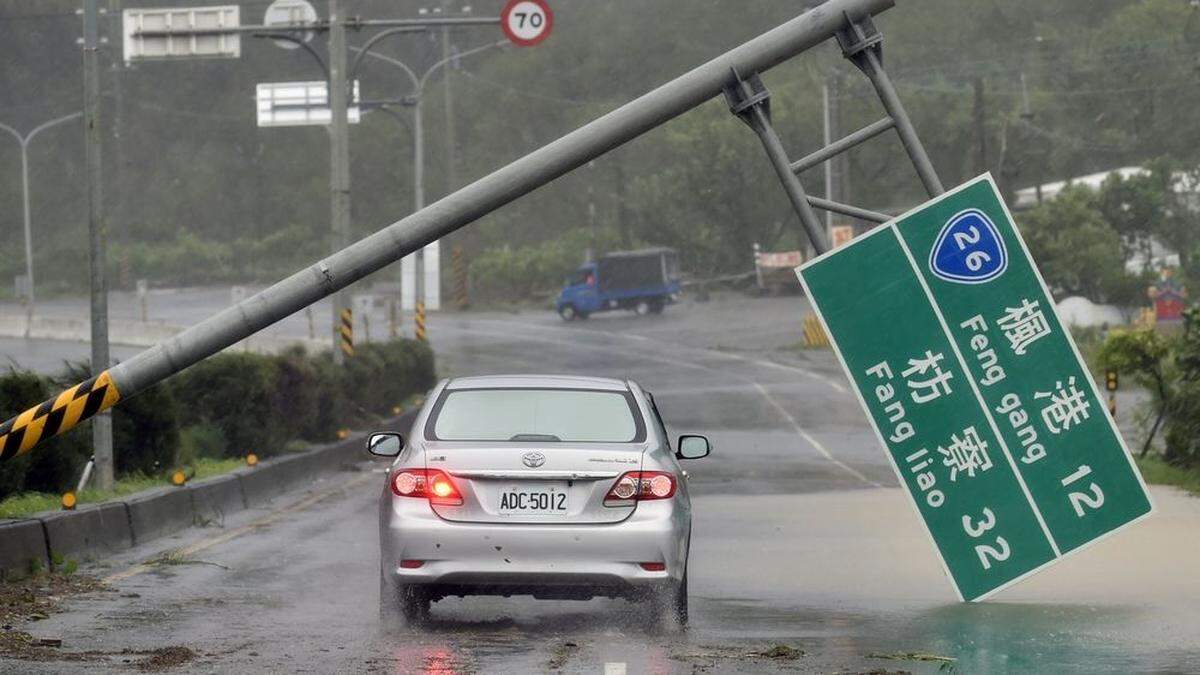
{"x": 510, "y": 414}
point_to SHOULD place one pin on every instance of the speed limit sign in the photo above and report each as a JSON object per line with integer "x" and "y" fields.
{"x": 526, "y": 22}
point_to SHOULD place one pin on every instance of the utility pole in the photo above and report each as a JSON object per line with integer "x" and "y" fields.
{"x": 116, "y": 196}
{"x": 447, "y": 52}
{"x": 339, "y": 146}
{"x": 419, "y": 199}
{"x": 980, "y": 113}
{"x": 102, "y": 447}
{"x": 829, "y": 97}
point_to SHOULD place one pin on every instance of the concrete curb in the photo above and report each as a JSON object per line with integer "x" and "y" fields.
{"x": 215, "y": 498}
{"x": 116, "y": 526}
{"x": 103, "y": 528}
{"x": 160, "y": 512}
{"x": 24, "y": 548}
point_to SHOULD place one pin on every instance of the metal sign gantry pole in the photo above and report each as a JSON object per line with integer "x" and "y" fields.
{"x": 452, "y": 212}
{"x": 749, "y": 100}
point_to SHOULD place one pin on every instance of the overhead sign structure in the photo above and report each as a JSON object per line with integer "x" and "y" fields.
{"x": 285, "y": 13}
{"x": 526, "y": 22}
{"x": 976, "y": 389}
{"x": 217, "y": 45}
{"x": 295, "y": 104}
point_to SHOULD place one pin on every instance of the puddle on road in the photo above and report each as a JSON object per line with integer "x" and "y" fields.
{"x": 1055, "y": 638}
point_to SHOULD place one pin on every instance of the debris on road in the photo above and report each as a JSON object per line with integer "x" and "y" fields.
{"x": 165, "y": 658}
{"x": 561, "y": 654}
{"x": 947, "y": 662}
{"x": 716, "y": 653}
{"x": 36, "y": 597}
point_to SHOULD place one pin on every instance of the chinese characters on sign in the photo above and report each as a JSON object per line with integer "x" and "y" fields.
{"x": 975, "y": 389}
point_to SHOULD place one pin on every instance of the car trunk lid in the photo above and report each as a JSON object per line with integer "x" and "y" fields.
{"x": 550, "y": 483}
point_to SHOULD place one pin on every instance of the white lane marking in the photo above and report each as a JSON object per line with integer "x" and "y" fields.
{"x": 808, "y": 437}
{"x": 686, "y": 364}
{"x": 833, "y": 384}
{"x": 614, "y": 668}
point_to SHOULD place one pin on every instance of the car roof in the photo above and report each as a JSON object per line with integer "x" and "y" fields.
{"x": 537, "y": 381}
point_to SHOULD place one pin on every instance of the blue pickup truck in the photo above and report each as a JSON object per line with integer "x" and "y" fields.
{"x": 643, "y": 281}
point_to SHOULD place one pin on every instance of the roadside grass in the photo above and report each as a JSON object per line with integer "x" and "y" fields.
{"x": 1158, "y": 472}
{"x": 28, "y": 503}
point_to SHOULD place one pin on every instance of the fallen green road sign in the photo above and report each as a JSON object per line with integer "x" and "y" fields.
{"x": 976, "y": 389}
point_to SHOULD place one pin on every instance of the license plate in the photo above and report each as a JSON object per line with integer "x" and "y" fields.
{"x": 524, "y": 499}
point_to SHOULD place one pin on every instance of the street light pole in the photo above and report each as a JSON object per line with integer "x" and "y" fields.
{"x": 417, "y": 97}
{"x": 24, "y": 142}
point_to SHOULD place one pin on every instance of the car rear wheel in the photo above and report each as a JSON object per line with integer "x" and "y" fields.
{"x": 668, "y": 607}
{"x": 414, "y": 604}
{"x": 568, "y": 313}
{"x": 396, "y": 602}
{"x": 642, "y": 308}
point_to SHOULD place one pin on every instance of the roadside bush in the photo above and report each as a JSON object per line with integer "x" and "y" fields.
{"x": 507, "y": 273}
{"x": 296, "y": 395}
{"x": 382, "y": 375}
{"x": 236, "y": 393}
{"x": 333, "y": 406}
{"x": 222, "y": 407}
{"x": 145, "y": 427}
{"x": 197, "y": 441}
{"x": 1169, "y": 367}
{"x": 57, "y": 463}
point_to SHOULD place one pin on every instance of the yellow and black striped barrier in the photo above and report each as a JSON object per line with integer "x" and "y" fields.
{"x": 814, "y": 332}
{"x": 346, "y": 332}
{"x": 57, "y": 415}
{"x": 461, "y": 300}
{"x": 420, "y": 320}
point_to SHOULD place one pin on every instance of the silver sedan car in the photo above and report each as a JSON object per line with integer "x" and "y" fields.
{"x": 551, "y": 486}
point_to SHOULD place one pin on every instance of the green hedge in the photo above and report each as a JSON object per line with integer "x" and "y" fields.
{"x": 224, "y": 406}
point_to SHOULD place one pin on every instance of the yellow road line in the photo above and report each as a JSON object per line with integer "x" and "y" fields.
{"x": 203, "y": 544}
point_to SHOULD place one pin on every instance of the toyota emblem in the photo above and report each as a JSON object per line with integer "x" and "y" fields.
{"x": 533, "y": 459}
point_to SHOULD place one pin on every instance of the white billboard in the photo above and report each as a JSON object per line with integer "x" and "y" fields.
{"x": 295, "y": 104}
{"x": 137, "y": 21}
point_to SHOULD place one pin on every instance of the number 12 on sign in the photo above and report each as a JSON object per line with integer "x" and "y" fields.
{"x": 976, "y": 389}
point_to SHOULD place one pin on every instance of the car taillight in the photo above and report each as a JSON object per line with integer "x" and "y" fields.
{"x": 432, "y": 484}
{"x": 640, "y": 486}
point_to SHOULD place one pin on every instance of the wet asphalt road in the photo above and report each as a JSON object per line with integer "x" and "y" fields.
{"x": 801, "y": 538}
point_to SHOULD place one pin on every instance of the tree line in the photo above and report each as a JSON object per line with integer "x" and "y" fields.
{"x": 1032, "y": 91}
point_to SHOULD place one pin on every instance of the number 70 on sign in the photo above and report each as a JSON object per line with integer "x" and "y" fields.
{"x": 526, "y": 22}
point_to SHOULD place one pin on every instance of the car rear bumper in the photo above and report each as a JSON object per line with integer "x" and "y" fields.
{"x": 541, "y": 560}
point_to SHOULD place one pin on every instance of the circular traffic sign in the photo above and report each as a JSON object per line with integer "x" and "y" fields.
{"x": 526, "y": 22}
{"x": 284, "y": 13}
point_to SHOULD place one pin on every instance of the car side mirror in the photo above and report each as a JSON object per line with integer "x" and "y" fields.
{"x": 693, "y": 446}
{"x": 385, "y": 444}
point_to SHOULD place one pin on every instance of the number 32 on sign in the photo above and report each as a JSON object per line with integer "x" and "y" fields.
{"x": 976, "y": 390}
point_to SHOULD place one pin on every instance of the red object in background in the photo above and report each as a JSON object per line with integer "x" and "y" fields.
{"x": 1168, "y": 307}
{"x": 523, "y": 27}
